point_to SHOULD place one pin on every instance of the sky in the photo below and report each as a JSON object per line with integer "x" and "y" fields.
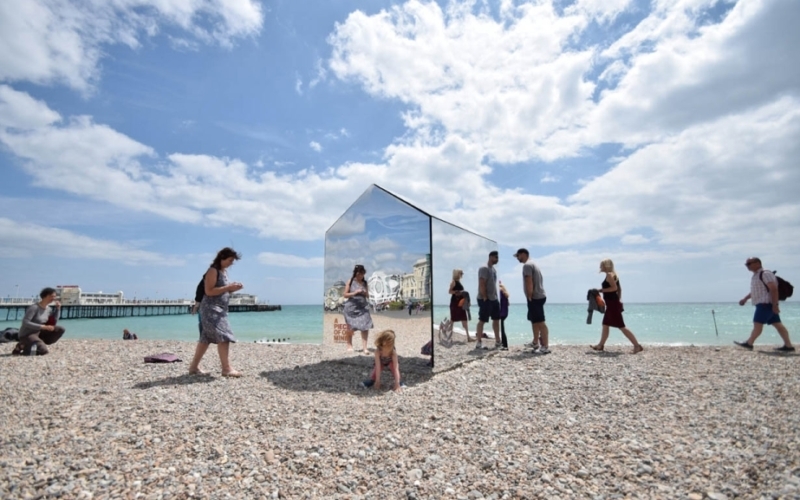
{"x": 139, "y": 137}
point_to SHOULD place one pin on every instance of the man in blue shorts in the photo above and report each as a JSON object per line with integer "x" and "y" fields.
{"x": 533, "y": 285}
{"x": 764, "y": 295}
{"x": 488, "y": 303}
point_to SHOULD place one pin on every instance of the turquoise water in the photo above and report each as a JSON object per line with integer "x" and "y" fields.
{"x": 665, "y": 324}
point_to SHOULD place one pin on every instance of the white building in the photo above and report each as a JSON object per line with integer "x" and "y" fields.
{"x": 70, "y": 295}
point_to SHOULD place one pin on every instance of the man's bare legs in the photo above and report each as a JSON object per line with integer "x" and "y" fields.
{"x": 541, "y": 332}
{"x": 758, "y": 328}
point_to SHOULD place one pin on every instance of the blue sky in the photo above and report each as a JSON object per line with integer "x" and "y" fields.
{"x": 138, "y": 137}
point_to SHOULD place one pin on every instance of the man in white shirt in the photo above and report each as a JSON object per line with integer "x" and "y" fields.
{"x": 764, "y": 295}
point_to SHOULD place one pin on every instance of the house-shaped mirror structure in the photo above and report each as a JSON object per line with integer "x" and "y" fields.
{"x": 409, "y": 257}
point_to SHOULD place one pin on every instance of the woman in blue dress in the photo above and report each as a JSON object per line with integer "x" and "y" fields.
{"x": 215, "y": 328}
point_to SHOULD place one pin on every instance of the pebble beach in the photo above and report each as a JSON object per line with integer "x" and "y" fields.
{"x": 91, "y": 420}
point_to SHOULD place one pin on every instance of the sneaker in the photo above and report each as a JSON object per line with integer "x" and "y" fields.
{"x": 744, "y": 344}
{"x": 503, "y": 348}
{"x": 367, "y": 383}
{"x": 532, "y": 345}
{"x": 785, "y": 349}
{"x": 479, "y": 345}
{"x": 544, "y": 350}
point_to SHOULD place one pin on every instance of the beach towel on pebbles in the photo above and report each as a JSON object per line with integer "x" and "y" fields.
{"x": 164, "y": 357}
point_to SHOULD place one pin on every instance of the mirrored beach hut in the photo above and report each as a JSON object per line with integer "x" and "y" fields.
{"x": 409, "y": 257}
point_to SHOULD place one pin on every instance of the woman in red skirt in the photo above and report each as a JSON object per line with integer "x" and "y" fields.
{"x": 612, "y": 294}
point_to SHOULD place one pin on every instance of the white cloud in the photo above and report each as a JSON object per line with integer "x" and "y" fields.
{"x": 48, "y": 41}
{"x": 547, "y": 178}
{"x": 286, "y": 260}
{"x": 698, "y": 173}
{"x": 634, "y": 239}
{"x": 298, "y": 85}
{"x": 315, "y": 146}
{"x": 24, "y": 240}
{"x": 19, "y": 110}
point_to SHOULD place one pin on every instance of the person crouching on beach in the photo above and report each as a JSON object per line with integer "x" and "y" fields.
{"x": 127, "y": 335}
{"x": 612, "y": 294}
{"x": 39, "y": 325}
{"x": 385, "y": 359}
{"x": 214, "y": 313}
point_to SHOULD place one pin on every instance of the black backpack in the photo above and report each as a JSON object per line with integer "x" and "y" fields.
{"x": 785, "y": 289}
{"x": 200, "y": 291}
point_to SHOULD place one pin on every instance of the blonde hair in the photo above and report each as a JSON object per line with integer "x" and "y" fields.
{"x": 385, "y": 339}
{"x": 457, "y": 273}
{"x": 607, "y": 266}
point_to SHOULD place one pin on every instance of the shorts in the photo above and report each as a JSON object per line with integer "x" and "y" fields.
{"x": 536, "y": 310}
{"x": 765, "y": 316}
{"x": 488, "y": 309}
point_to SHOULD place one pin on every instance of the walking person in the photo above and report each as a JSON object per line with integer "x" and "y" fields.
{"x": 356, "y": 307}
{"x": 533, "y": 286}
{"x": 39, "y": 325}
{"x": 764, "y": 295}
{"x": 457, "y": 300}
{"x": 612, "y": 294}
{"x": 214, "y": 313}
{"x": 488, "y": 304}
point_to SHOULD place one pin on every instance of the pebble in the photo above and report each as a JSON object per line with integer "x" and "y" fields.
{"x": 668, "y": 422}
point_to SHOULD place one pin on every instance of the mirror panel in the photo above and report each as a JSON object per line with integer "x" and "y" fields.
{"x": 456, "y": 248}
{"x": 391, "y": 239}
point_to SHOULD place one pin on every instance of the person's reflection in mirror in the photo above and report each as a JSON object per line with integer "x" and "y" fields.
{"x": 488, "y": 304}
{"x": 504, "y": 296}
{"x": 356, "y": 306}
{"x": 457, "y": 300}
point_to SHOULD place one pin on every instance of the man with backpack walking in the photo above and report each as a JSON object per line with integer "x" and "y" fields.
{"x": 765, "y": 295}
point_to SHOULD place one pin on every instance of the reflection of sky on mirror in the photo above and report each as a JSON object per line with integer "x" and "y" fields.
{"x": 456, "y": 248}
{"x": 379, "y": 231}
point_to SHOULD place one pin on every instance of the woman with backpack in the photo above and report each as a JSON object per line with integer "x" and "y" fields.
{"x": 215, "y": 328}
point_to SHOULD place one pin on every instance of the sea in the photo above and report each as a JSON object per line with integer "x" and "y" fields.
{"x": 653, "y": 324}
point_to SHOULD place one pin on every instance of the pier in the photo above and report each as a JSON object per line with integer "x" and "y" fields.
{"x": 16, "y": 311}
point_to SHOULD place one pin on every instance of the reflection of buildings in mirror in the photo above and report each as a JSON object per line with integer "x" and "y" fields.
{"x": 417, "y": 284}
{"x": 385, "y": 288}
{"x": 334, "y": 297}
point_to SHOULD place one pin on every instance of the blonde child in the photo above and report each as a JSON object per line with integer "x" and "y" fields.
{"x": 385, "y": 358}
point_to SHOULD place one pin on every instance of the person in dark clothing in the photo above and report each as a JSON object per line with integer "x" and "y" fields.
{"x": 457, "y": 300}
{"x": 612, "y": 294}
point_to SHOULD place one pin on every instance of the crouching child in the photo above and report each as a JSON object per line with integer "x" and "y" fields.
{"x": 385, "y": 359}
